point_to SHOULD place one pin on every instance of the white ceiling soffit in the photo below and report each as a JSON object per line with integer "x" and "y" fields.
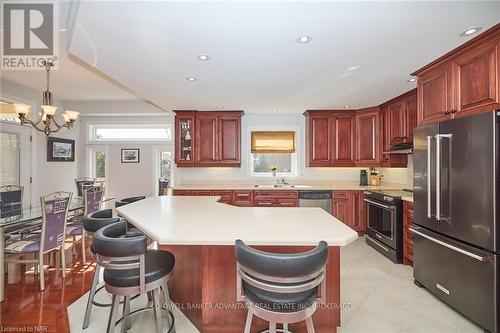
{"x": 255, "y": 61}
{"x": 72, "y": 81}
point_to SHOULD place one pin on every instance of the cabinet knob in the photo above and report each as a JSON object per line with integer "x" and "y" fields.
{"x": 453, "y": 111}
{"x": 447, "y": 112}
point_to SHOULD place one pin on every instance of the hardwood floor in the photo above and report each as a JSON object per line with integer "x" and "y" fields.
{"x": 26, "y": 307}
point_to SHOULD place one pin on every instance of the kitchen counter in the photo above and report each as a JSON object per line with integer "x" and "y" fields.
{"x": 201, "y": 232}
{"x": 204, "y": 221}
{"x": 306, "y": 185}
{"x": 408, "y": 198}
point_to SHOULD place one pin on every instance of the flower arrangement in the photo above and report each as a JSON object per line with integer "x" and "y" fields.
{"x": 274, "y": 170}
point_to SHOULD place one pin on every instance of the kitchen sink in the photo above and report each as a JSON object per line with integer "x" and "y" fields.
{"x": 282, "y": 186}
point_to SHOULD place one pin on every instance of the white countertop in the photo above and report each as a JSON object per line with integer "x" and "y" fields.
{"x": 179, "y": 220}
{"x": 301, "y": 185}
{"x": 408, "y": 198}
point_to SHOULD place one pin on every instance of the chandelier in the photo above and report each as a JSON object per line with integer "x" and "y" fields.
{"x": 46, "y": 122}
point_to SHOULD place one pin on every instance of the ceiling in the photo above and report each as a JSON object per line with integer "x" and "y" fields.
{"x": 72, "y": 80}
{"x": 256, "y": 63}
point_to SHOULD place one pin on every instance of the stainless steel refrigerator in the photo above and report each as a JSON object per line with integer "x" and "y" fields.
{"x": 456, "y": 207}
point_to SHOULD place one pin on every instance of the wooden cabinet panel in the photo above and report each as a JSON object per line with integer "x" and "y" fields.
{"x": 343, "y": 141}
{"x": 185, "y": 138}
{"x": 367, "y": 137}
{"x": 341, "y": 209}
{"x": 435, "y": 96}
{"x": 407, "y": 234}
{"x": 359, "y": 221}
{"x": 182, "y": 192}
{"x": 202, "y": 193}
{"x": 206, "y": 143}
{"x": 319, "y": 140}
{"x": 410, "y": 117}
{"x": 229, "y": 140}
{"x": 225, "y": 196}
{"x": 242, "y": 198}
{"x": 397, "y": 132}
{"x": 477, "y": 76}
{"x": 276, "y": 198}
{"x": 287, "y": 202}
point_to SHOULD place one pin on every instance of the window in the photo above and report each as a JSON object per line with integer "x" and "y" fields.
{"x": 10, "y": 149}
{"x": 108, "y": 132}
{"x": 100, "y": 164}
{"x": 273, "y": 149}
{"x": 97, "y": 162}
{"x": 165, "y": 164}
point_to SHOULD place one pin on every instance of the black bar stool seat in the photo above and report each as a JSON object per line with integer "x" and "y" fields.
{"x": 280, "y": 302}
{"x": 158, "y": 265}
{"x": 126, "y": 201}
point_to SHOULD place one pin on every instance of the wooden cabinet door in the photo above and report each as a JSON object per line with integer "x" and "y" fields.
{"x": 410, "y": 108}
{"x": 185, "y": 138}
{"x": 229, "y": 140}
{"x": 397, "y": 123}
{"x": 242, "y": 198}
{"x": 341, "y": 209}
{"x": 206, "y": 140}
{"x": 343, "y": 140}
{"x": 319, "y": 140}
{"x": 367, "y": 138}
{"x": 435, "y": 96}
{"x": 385, "y": 135}
{"x": 407, "y": 234}
{"x": 182, "y": 192}
{"x": 359, "y": 220}
{"x": 477, "y": 76}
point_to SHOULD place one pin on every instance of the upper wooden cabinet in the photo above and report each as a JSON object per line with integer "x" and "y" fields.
{"x": 367, "y": 137}
{"x": 330, "y": 138}
{"x": 214, "y": 138}
{"x": 462, "y": 82}
{"x": 477, "y": 78}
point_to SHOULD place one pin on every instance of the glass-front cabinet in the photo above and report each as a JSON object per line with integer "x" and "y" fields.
{"x": 185, "y": 138}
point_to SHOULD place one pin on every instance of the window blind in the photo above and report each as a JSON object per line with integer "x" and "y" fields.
{"x": 273, "y": 142}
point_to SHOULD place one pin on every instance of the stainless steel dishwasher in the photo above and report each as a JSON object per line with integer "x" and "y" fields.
{"x": 322, "y": 199}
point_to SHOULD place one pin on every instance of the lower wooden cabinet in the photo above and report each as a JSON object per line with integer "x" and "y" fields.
{"x": 276, "y": 198}
{"x": 349, "y": 208}
{"x": 242, "y": 198}
{"x": 407, "y": 234}
{"x": 182, "y": 192}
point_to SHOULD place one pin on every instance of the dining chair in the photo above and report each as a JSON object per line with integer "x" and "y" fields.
{"x": 163, "y": 184}
{"x": 79, "y": 182}
{"x": 281, "y": 288}
{"x": 11, "y": 200}
{"x": 92, "y": 200}
{"x": 51, "y": 238}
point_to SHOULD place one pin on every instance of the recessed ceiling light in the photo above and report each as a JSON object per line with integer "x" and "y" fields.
{"x": 470, "y": 31}
{"x": 203, "y": 57}
{"x": 220, "y": 107}
{"x": 411, "y": 79}
{"x": 190, "y": 78}
{"x": 274, "y": 111}
{"x": 304, "y": 39}
{"x": 353, "y": 68}
{"x": 347, "y": 106}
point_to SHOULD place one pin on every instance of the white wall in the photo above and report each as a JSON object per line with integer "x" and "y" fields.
{"x": 124, "y": 179}
{"x": 278, "y": 121}
{"x": 47, "y": 176}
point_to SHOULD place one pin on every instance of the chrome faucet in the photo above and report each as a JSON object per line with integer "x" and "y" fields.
{"x": 281, "y": 182}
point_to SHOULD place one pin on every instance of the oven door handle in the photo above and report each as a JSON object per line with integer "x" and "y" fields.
{"x": 415, "y": 230}
{"x": 375, "y": 203}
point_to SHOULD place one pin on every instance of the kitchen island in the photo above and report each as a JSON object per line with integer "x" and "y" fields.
{"x": 201, "y": 233}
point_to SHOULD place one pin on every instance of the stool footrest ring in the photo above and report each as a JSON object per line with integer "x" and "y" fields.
{"x": 103, "y": 305}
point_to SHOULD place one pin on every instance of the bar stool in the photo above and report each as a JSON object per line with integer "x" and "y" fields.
{"x": 281, "y": 288}
{"x": 130, "y": 269}
{"x": 91, "y": 223}
{"x": 126, "y": 201}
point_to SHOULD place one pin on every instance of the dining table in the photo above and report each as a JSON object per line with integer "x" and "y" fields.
{"x": 15, "y": 221}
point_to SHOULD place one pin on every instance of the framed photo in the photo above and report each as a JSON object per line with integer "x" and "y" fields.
{"x": 60, "y": 150}
{"x": 130, "y": 155}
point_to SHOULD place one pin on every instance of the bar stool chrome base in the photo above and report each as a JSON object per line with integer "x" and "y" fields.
{"x": 171, "y": 328}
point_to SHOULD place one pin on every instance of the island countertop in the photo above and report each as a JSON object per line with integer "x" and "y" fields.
{"x": 172, "y": 220}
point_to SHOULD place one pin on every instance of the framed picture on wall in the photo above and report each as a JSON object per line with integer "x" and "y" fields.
{"x": 60, "y": 150}
{"x": 130, "y": 155}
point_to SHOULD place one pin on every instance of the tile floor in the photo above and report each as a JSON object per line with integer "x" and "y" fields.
{"x": 382, "y": 298}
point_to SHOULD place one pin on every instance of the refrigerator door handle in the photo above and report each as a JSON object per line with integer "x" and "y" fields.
{"x": 438, "y": 177}
{"x": 429, "y": 213}
{"x": 449, "y": 246}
